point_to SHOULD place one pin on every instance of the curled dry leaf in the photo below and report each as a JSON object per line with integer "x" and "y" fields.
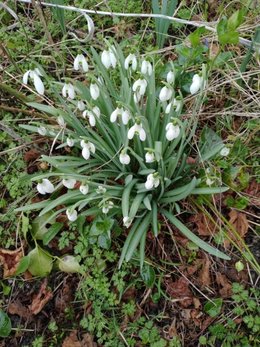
{"x": 226, "y": 288}
{"x": 40, "y": 300}
{"x": 204, "y": 275}
{"x": 180, "y": 291}
{"x": 19, "y": 309}
{"x": 204, "y": 226}
{"x": 31, "y": 155}
{"x": 10, "y": 260}
{"x": 240, "y": 223}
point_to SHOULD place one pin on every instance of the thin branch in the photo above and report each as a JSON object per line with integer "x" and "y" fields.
{"x": 198, "y": 24}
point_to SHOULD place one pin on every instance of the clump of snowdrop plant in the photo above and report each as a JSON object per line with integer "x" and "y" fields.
{"x": 129, "y": 145}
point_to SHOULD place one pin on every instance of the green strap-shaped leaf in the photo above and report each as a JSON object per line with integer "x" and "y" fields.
{"x": 200, "y": 243}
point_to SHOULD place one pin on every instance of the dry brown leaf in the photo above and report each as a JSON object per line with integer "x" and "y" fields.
{"x": 40, "y": 300}
{"x": 204, "y": 226}
{"x": 204, "y": 275}
{"x": 180, "y": 290}
{"x": 10, "y": 260}
{"x": 19, "y": 309}
{"x": 73, "y": 341}
{"x": 226, "y": 290}
{"x": 31, "y": 155}
{"x": 240, "y": 223}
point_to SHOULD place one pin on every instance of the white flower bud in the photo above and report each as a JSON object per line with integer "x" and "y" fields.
{"x": 127, "y": 221}
{"x": 170, "y": 77}
{"x": 149, "y": 157}
{"x": 70, "y": 142}
{"x": 72, "y": 215}
{"x": 131, "y": 61}
{"x": 165, "y": 94}
{"x": 124, "y": 158}
{"x": 80, "y": 62}
{"x": 45, "y": 187}
{"x": 224, "y": 152}
{"x": 84, "y": 188}
{"x": 172, "y": 131}
{"x": 94, "y": 91}
{"x": 69, "y": 182}
{"x": 197, "y": 82}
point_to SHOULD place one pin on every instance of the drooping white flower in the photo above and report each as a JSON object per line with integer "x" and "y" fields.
{"x": 87, "y": 148}
{"x": 172, "y": 131}
{"x": 224, "y": 152}
{"x": 72, "y": 215}
{"x": 68, "y": 91}
{"x": 149, "y": 157}
{"x": 80, "y": 63}
{"x": 146, "y": 68}
{"x": 165, "y": 94}
{"x": 107, "y": 206}
{"x": 119, "y": 111}
{"x": 140, "y": 86}
{"x": 45, "y": 187}
{"x": 96, "y": 111}
{"x": 69, "y": 182}
{"x": 94, "y": 91}
{"x": 124, "y": 158}
{"x": 91, "y": 117}
{"x": 125, "y": 116}
{"x": 152, "y": 181}
{"x": 177, "y": 103}
{"x": 61, "y": 122}
{"x": 131, "y": 62}
{"x": 108, "y": 59}
{"x": 70, "y": 142}
{"x": 127, "y": 221}
{"x": 101, "y": 190}
{"x": 81, "y": 105}
{"x": 84, "y": 188}
{"x": 42, "y": 130}
{"x": 197, "y": 83}
{"x": 170, "y": 78}
{"x": 137, "y": 129}
{"x": 168, "y": 108}
{"x": 35, "y": 77}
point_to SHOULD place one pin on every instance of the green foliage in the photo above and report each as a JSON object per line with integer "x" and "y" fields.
{"x": 139, "y": 205}
{"x": 213, "y": 308}
{"x": 226, "y": 28}
{"x": 5, "y": 324}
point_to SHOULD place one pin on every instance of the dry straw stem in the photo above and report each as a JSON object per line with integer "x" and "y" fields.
{"x": 208, "y": 26}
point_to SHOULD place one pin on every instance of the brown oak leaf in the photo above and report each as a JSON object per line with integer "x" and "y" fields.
{"x": 204, "y": 226}
{"x": 41, "y": 298}
{"x": 239, "y": 222}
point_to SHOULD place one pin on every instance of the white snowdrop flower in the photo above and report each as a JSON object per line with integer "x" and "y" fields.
{"x": 101, "y": 190}
{"x": 108, "y": 59}
{"x": 61, "y": 122}
{"x": 137, "y": 129}
{"x": 84, "y": 188}
{"x": 224, "y": 152}
{"x": 170, "y": 78}
{"x": 72, "y": 215}
{"x": 209, "y": 182}
{"x": 131, "y": 62}
{"x": 125, "y": 116}
{"x": 197, "y": 83}
{"x": 70, "y": 142}
{"x": 80, "y": 63}
{"x": 127, "y": 221}
{"x": 114, "y": 115}
{"x": 91, "y": 117}
{"x": 172, "y": 131}
{"x": 42, "y": 130}
{"x": 107, "y": 206}
{"x": 140, "y": 86}
{"x": 81, "y": 105}
{"x": 146, "y": 68}
{"x": 35, "y": 77}
{"x": 137, "y": 97}
{"x": 45, "y": 187}
{"x": 165, "y": 94}
{"x": 124, "y": 158}
{"x": 149, "y": 157}
{"x": 69, "y": 182}
{"x": 168, "y": 108}
{"x": 68, "y": 91}
{"x": 177, "y": 104}
{"x": 96, "y": 111}
{"x": 87, "y": 148}
{"x": 152, "y": 181}
{"x": 94, "y": 91}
